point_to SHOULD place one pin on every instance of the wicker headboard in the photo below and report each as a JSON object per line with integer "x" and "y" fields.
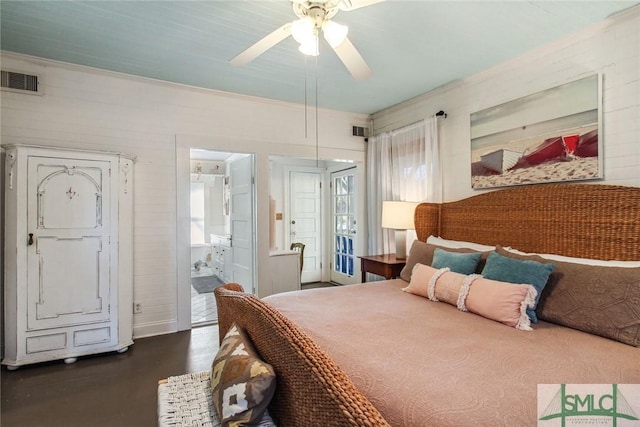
{"x": 580, "y": 220}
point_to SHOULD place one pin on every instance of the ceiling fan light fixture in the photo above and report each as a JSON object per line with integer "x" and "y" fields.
{"x": 310, "y": 47}
{"x": 303, "y": 30}
{"x": 313, "y": 16}
{"x": 334, "y": 33}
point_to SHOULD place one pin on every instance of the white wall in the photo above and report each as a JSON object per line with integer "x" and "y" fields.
{"x": 611, "y": 48}
{"x": 93, "y": 109}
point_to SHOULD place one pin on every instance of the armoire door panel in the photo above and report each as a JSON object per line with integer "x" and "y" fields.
{"x": 68, "y": 276}
{"x": 69, "y": 196}
{"x": 92, "y": 337}
{"x": 67, "y": 293}
{"x": 48, "y": 342}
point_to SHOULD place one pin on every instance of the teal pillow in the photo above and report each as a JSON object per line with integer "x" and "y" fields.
{"x": 463, "y": 263}
{"x": 517, "y": 271}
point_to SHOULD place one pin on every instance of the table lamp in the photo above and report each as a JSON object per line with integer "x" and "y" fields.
{"x": 399, "y": 216}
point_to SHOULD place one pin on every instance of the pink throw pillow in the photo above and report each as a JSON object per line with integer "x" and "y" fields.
{"x": 436, "y": 284}
{"x": 448, "y": 287}
{"x": 420, "y": 276}
{"x": 500, "y": 301}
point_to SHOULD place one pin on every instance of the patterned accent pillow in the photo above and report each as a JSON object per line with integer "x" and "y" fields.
{"x": 603, "y": 301}
{"x": 242, "y": 385}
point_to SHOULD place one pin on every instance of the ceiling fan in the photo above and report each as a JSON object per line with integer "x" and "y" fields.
{"x": 314, "y": 16}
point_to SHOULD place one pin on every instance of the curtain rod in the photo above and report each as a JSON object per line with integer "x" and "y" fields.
{"x": 440, "y": 113}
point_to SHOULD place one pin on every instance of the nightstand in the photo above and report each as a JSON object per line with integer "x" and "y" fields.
{"x": 385, "y": 265}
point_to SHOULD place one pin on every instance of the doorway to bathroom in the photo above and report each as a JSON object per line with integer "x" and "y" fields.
{"x": 221, "y": 221}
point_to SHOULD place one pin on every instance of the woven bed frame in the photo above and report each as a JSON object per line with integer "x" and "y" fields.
{"x": 582, "y": 220}
{"x": 311, "y": 389}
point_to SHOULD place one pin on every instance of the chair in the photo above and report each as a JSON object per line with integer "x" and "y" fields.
{"x": 299, "y": 247}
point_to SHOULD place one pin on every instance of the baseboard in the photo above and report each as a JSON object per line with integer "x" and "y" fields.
{"x": 150, "y": 329}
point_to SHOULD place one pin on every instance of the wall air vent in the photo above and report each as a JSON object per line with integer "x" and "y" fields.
{"x": 360, "y": 131}
{"x": 20, "y": 82}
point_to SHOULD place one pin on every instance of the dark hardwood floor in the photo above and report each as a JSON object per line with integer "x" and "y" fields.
{"x": 315, "y": 285}
{"x": 106, "y": 390}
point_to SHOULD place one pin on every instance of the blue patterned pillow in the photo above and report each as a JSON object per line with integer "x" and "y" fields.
{"x": 511, "y": 270}
{"x": 463, "y": 263}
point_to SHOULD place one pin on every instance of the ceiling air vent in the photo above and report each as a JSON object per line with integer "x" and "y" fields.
{"x": 19, "y": 82}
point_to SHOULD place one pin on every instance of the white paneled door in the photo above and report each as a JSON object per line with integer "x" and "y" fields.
{"x": 242, "y": 222}
{"x": 306, "y": 221}
{"x": 69, "y": 237}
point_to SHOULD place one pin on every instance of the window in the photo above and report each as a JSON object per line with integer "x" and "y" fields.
{"x": 197, "y": 213}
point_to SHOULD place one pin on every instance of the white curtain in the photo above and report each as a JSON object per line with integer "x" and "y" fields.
{"x": 402, "y": 165}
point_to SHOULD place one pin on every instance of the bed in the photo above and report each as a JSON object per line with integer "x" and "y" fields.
{"x": 373, "y": 355}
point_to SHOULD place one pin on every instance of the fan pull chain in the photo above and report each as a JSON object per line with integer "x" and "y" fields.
{"x": 317, "y": 149}
{"x": 306, "y": 125}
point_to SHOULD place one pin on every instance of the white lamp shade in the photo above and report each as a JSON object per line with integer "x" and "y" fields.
{"x": 398, "y": 215}
{"x": 334, "y": 33}
{"x": 310, "y": 47}
{"x": 303, "y": 30}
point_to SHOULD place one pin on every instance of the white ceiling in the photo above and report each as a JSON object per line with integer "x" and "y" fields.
{"x": 411, "y": 46}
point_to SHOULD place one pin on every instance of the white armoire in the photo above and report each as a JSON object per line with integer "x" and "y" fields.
{"x": 68, "y": 278}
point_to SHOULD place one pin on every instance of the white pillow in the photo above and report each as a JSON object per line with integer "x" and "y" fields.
{"x": 583, "y": 261}
{"x": 456, "y": 244}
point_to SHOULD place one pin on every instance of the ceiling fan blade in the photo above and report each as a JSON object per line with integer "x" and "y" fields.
{"x": 356, "y": 4}
{"x": 352, "y": 59}
{"x": 262, "y": 46}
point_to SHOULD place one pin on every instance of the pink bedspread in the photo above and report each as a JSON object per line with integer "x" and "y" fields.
{"x": 426, "y": 363}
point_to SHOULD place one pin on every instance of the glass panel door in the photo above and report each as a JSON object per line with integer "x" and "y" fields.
{"x": 344, "y": 226}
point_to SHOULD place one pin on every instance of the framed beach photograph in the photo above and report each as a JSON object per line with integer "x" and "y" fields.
{"x": 549, "y": 136}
